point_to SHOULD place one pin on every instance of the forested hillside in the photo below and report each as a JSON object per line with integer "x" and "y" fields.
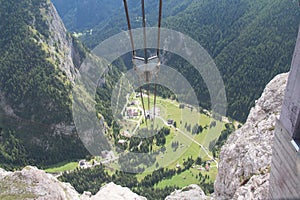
{"x": 35, "y": 112}
{"x": 250, "y": 40}
{"x": 107, "y": 17}
{"x": 82, "y": 15}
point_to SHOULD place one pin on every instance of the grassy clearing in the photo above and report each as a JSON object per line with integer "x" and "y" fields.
{"x": 61, "y": 167}
{"x": 181, "y": 180}
{"x": 187, "y": 116}
{"x": 188, "y": 177}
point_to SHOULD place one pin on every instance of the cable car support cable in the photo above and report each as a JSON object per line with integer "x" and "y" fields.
{"x": 147, "y": 73}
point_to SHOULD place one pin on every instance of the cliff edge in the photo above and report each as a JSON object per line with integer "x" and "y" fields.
{"x": 245, "y": 158}
{"x": 32, "y": 183}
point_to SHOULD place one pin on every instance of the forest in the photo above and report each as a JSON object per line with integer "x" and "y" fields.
{"x": 35, "y": 88}
{"x": 250, "y": 41}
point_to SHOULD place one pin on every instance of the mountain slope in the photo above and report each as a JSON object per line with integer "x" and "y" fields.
{"x": 250, "y": 40}
{"x": 106, "y": 18}
{"x": 80, "y": 16}
{"x": 83, "y": 15}
{"x": 38, "y": 59}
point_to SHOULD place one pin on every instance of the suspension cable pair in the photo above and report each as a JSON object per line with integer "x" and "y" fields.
{"x": 146, "y": 73}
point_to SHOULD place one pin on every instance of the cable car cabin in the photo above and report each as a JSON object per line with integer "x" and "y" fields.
{"x": 147, "y": 70}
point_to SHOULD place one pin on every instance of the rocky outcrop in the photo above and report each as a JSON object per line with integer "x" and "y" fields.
{"x": 255, "y": 188}
{"x": 112, "y": 191}
{"x": 60, "y": 42}
{"x": 65, "y": 51}
{"x": 192, "y": 192}
{"x": 245, "y": 158}
{"x": 32, "y": 183}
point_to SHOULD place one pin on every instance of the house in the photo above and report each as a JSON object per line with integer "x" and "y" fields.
{"x": 170, "y": 121}
{"x": 137, "y": 95}
{"x": 83, "y": 164}
{"x": 132, "y": 113}
{"x": 200, "y": 168}
{"x": 135, "y": 113}
{"x": 121, "y": 141}
{"x": 133, "y": 103}
{"x": 207, "y": 167}
{"x": 129, "y": 113}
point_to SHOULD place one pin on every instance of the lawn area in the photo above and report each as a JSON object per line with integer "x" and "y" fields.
{"x": 181, "y": 180}
{"x": 186, "y": 118}
{"x": 188, "y": 177}
{"x": 61, "y": 167}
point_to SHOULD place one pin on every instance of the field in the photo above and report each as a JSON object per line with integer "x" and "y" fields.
{"x": 187, "y": 177}
{"x": 61, "y": 167}
{"x": 190, "y": 145}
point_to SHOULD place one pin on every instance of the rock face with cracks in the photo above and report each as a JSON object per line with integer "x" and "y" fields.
{"x": 31, "y": 183}
{"x": 245, "y": 158}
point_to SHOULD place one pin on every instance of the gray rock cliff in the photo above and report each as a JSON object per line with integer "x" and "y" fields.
{"x": 245, "y": 158}
{"x": 31, "y": 183}
{"x": 60, "y": 42}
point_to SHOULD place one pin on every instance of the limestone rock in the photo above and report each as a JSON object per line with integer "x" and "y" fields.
{"x": 3, "y": 173}
{"x": 112, "y": 191}
{"x": 245, "y": 158}
{"x": 31, "y": 183}
{"x": 60, "y": 43}
{"x": 254, "y": 189}
{"x": 192, "y": 192}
